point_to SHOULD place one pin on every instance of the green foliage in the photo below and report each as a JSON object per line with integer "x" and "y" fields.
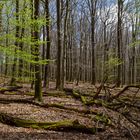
{"x": 28, "y": 57}
{"x": 26, "y": 22}
{"x": 102, "y": 118}
{"x": 113, "y": 62}
{"x": 110, "y": 65}
{"x": 135, "y": 43}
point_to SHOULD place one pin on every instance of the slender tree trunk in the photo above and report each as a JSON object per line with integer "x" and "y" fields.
{"x": 38, "y": 93}
{"x": 32, "y": 46}
{"x": 79, "y": 73}
{"x": 65, "y": 42}
{"x": 85, "y": 55}
{"x": 47, "y": 68}
{"x": 21, "y": 44}
{"x": 1, "y": 7}
{"x": 21, "y": 48}
{"x": 13, "y": 80}
{"x": 105, "y": 54}
{"x": 43, "y": 52}
{"x": 119, "y": 40}
{"x": 93, "y": 14}
{"x": 70, "y": 74}
{"x": 58, "y": 74}
{"x": 133, "y": 56}
{"x": 67, "y": 62}
{"x": 6, "y": 43}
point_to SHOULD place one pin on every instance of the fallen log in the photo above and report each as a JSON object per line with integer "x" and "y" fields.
{"x": 83, "y": 112}
{"x": 60, "y": 106}
{"x": 77, "y": 95}
{"x": 9, "y": 88}
{"x": 55, "y": 126}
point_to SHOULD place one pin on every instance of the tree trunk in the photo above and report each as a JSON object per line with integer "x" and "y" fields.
{"x": 43, "y": 51}
{"x": 119, "y": 41}
{"x": 21, "y": 45}
{"x": 38, "y": 93}
{"x": 13, "y": 80}
{"x": 58, "y": 72}
{"x": 47, "y": 71}
{"x": 32, "y": 47}
{"x": 93, "y": 14}
{"x": 65, "y": 42}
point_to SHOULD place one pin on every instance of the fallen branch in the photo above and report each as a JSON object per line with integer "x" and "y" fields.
{"x": 55, "y": 126}
{"x": 123, "y": 90}
{"x": 100, "y": 88}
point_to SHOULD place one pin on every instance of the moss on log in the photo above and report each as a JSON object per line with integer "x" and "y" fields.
{"x": 103, "y": 119}
{"x": 83, "y": 99}
{"x": 55, "y": 126}
{"x": 9, "y": 88}
{"x": 77, "y": 95}
{"x": 59, "y": 106}
{"x": 97, "y": 102}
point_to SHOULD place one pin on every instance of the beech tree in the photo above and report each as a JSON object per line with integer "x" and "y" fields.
{"x": 92, "y": 7}
{"x": 119, "y": 39}
{"x": 58, "y": 75}
{"x": 13, "y": 80}
{"x": 38, "y": 86}
{"x": 65, "y": 41}
{"x": 47, "y": 69}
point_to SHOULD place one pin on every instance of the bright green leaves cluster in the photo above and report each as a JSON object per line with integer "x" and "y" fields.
{"x": 134, "y": 44}
{"x": 27, "y": 57}
{"x": 26, "y": 22}
{"x": 113, "y": 62}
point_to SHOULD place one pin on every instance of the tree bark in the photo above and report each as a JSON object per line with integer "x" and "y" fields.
{"x": 58, "y": 72}
{"x": 38, "y": 92}
{"x": 119, "y": 41}
{"x": 65, "y": 42}
{"x": 47, "y": 71}
{"x": 93, "y": 16}
{"x": 13, "y": 80}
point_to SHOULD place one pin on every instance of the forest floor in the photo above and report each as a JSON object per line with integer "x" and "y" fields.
{"x": 119, "y": 120}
